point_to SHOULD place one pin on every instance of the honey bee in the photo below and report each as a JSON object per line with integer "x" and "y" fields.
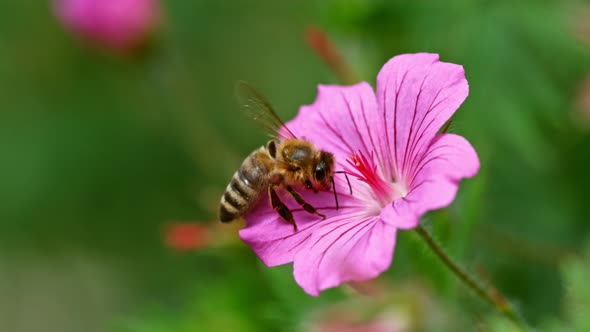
{"x": 283, "y": 163}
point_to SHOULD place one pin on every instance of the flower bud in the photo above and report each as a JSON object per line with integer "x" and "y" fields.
{"x": 582, "y": 114}
{"x": 186, "y": 236}
{"x": 118, "y": 25}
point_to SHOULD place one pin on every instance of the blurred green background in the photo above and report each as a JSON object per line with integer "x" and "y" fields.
{"x": 99, "y": 154}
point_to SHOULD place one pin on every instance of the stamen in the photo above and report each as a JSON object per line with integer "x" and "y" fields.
{"x": 365, "y": 169}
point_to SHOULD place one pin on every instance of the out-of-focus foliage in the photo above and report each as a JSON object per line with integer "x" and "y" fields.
{"x": 576, "y": 305}
{"x": 99, "y": 153}
{"x": 576, "y": 273}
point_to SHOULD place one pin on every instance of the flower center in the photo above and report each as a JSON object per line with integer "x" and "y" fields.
{"x": 365, "y": 169}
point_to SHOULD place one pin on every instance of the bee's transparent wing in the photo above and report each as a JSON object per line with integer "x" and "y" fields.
{"x": 258, "y": 108}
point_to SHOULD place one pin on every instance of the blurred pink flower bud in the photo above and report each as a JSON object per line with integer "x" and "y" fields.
{"x": 186, "y": 236}
{"x": 582, "y": 115}
{"x": 120, "y": 25}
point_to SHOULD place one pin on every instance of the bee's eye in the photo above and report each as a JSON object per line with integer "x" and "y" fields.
{"x": 319, "y": 173}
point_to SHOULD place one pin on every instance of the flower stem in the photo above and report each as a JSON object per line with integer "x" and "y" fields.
{"x": 489, "y": 294}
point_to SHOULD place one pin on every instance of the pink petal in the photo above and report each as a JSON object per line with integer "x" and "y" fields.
{"x": 274, "y": 240}
{"x": 416, "y": 95}
{"x": 434, "y": 182}
{"x": 355, "y": 248}
{"x": 342, "y": 120}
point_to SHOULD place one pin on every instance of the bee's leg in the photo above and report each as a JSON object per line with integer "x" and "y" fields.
{"x": 280, "y": 207}
{"x": 306, "y": 206}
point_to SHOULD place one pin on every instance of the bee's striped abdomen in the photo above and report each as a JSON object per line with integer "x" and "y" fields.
{"x": 234, "y": 201}
{"x": 245, "y": 186}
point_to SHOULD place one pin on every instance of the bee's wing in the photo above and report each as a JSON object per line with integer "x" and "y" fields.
{"x": 257, "y": 107}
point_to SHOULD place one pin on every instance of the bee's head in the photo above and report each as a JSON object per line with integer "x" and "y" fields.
{"x": 323, "y": 170}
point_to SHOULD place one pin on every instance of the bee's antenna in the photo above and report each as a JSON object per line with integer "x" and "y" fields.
{"x": 347, "y": 180}
{"x": 334, "y": 189}
{"x": 334, "y": 186}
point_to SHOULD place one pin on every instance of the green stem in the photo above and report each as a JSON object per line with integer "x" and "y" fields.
{"x": 490, "y": 295}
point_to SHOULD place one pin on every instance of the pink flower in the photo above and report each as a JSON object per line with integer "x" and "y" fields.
{"x": 121, "y": 25}
{"x": 400, "y": 167}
